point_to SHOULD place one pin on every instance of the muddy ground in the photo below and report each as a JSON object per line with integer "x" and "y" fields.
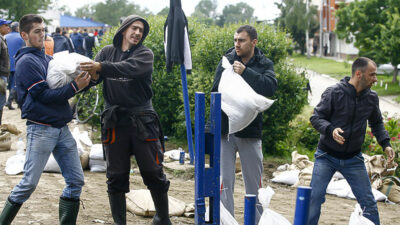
{"x": 42, "y": 207}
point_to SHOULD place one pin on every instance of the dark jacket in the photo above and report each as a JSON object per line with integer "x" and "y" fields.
{"x": 341, "y": 107}
{"x": 4, "y": 60}
{"x": 77, "y": 40}
{"x": 61, "y": 43}
{"x": 39, "y": 103}
{"x": 126, "y": 76}
{"x": 259, "y": 74}
{"x": 14, "y": 43}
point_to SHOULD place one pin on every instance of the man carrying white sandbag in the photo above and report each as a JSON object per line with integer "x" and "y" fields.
{"x": 341, "y": 118}
{"x": 256, "y": 71}
{"x": 47, "y": 112}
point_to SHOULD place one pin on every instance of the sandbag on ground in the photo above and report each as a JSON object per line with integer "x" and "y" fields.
{"x": 140, "y": 203}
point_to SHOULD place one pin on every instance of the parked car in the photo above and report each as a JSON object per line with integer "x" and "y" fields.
{"x": 386, "y": 68}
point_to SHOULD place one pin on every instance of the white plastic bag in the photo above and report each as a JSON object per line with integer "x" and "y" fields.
{"x": 52, "y": 165}
{"x": 238, "y": 100}
{"x": 63, "y": 68}
{"x": 15, "y": 164}
{"x": 96, "y": 162}
{"x": 269, "y": 217}
{"x": 357, "y": 217}
{"x": 289, "y": 177}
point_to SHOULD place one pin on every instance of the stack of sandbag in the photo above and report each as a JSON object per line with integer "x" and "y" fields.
{"x": 141, "y": 203}
{"x": 63, "y": 68}
{"x": 80, "y": 137}
{"x": 6, "y": 131}
{"x": 96, "y": 159}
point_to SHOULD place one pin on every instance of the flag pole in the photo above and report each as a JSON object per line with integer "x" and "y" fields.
{"x": 187, "y": 113}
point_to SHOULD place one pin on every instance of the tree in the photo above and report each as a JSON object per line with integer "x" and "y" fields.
{"x": 85, "y": 11}
{"x": 111, "y": 11}
{"x": 15, "y": 9}
{"x": 164, "y": 11}
{"x": 236, "y": 13}
{"x": 373, "y": 25}
{"x": 205, "y": 11}
{"x": 294, "y": 18}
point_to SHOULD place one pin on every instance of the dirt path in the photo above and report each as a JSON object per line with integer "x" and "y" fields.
{"x": 42, "y": 207}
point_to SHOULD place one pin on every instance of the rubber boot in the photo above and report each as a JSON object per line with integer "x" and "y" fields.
{"x": 9, "y": 212}
{"x": 68, "y": 211}
{"x": 118, "y": 207}
{"x": 161, "y": 204}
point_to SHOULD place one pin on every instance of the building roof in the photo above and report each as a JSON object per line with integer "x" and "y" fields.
{"x": 72, "y": 21}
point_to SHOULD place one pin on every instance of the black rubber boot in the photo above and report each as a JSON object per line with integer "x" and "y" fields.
{"x": 118, "y": 207}
{"x": 161, "y": 204}
{"x": 9, "y": 212}
{"x": 68, "y": 211}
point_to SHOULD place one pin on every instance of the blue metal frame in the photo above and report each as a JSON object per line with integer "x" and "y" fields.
{"x": 207, "y": 180}
{"x": 187, "y": 113}
{"x": 249, "y": 209}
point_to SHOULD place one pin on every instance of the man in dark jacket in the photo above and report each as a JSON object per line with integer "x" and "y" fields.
{"x": 77, "y": 40}
{"x": 258, "y": 71}
{"x": 4, "y": 63}
{"x": 47, "y": 113}
{"x": 14, "y": 42}
{"x": 130, "y": 126}
{"x": 341, "y": 118}
{"x": 61, "y": 43}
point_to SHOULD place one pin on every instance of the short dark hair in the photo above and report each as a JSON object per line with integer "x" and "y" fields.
{"x": 58, "y": 30}
{"x": 249, "y": 29}
{"x": 361, "y": 64}
{"x": 25, "y": 23}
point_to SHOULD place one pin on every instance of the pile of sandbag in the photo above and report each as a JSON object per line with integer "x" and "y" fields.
{"x": 82, "y": 142}
{"x": 299, "y": 173}
{"x": 6, "y": 132}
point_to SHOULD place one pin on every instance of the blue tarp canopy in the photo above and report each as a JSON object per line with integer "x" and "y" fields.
{"x": 72, "y": 21}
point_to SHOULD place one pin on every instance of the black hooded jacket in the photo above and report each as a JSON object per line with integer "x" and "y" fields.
{"x": 259, "y": 74}
{"x": 340, "y": 106}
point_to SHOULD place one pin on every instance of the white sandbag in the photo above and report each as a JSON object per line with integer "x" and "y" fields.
{"x": 226, "y": 217}
{"x": 15, "y": 164}
{"x": 290, "y": 177}
{"x": 96, "y": 151}
{"x": 342, "y": 189}
{"x": 84, "y": 138}
{"x": 269, "y": 217}
{"x": 174, "y": 154}
{"x": 97, "y": 165}
{"x": 140, "y": 203}
{"x": 357, "y": 217}
{"x": 52, "y": 165}
{"x": 75, "y": 133}
{"x": 238, "y": 100}
{"x": 63, "y": 68}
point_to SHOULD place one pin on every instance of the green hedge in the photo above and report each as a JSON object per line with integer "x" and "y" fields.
{"x": 208, "y": 44}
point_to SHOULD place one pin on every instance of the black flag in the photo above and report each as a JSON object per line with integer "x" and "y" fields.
{"x": 176, "y": 37}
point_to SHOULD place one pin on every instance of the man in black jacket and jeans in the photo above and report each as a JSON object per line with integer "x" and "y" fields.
{"x": 130, "y": 125}
{"x": 341, "y": 118}
{"x": 258, "y": 71}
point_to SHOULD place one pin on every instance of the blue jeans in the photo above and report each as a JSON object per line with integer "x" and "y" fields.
{"x": 354, "y": 171}
{"x": 41, "y": 142}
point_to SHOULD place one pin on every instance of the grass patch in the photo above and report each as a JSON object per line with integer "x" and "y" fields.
{"x": 340, "y": 69}
{"x": 321, "y": 65}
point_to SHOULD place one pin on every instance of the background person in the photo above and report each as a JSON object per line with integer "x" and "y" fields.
{"x": 258, "y": 71}
{"x": 341, "y": 118}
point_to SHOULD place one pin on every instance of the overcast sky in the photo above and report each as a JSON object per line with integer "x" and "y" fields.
{"x": 263, "y": 9}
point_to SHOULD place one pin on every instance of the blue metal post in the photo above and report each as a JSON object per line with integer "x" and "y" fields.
{"x": 249, "y": 209}
{"x": 302, "y": 205}
{"x": 200, "y": 207}
{"x": 207, "y": 181}
{"x": 187, "y": 113}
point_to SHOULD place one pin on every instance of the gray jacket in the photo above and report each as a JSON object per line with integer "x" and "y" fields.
{"x": 4, "y": 58}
